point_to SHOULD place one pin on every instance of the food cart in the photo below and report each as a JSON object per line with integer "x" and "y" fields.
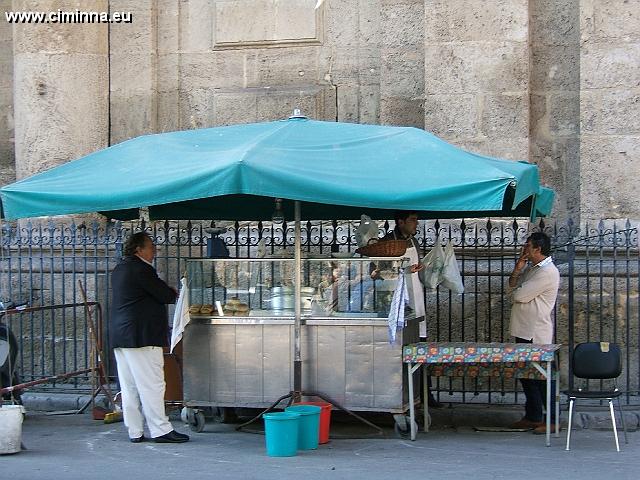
{"x": 316, "y": 170}
{"x": 241, "y": 351}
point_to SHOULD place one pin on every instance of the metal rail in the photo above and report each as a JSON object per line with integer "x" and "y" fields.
{"x": 599, "y": 265}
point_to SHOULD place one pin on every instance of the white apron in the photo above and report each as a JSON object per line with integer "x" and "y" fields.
{"x": 416, "y": 291}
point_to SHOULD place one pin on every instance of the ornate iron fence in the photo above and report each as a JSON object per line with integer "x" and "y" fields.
{"x": 598, "y": 300}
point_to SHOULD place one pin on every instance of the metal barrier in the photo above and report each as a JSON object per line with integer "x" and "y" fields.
{"x": 47, "y": 358}
{"x": 598, "y": 298}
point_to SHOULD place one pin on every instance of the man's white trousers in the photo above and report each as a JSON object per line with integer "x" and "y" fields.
{"x": 141, "y": 374}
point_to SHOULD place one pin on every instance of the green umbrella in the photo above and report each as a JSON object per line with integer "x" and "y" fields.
{"x": 337, "y": 170}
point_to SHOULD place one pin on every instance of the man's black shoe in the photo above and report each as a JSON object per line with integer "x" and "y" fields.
{"x": 137, "y": 439}
{"x": 172, "y": 437}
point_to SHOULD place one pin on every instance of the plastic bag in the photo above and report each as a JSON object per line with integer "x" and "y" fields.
{"x": 451, "y": 277}
{"x": 367, "y": 230}
{"x": 432, "y": 273}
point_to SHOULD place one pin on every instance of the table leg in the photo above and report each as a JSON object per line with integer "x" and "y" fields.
{"x": 425, "y": 396}
{"x": 412, "y": 414}
{"x": 548, "y": 375}
{"x": 556, "y": 377}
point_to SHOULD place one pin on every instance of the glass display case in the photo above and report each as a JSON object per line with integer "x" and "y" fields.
{"x": 239, "y": 345}
{"x": 330, "y": 287}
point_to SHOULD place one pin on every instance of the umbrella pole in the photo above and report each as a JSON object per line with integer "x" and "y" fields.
{"x": 296, "y": 394}
{"x": 297, "y": 362}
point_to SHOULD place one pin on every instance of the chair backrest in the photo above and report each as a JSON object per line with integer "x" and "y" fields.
{"x": 597, "y": 360}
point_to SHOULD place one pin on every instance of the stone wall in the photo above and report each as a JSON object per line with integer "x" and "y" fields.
{"x": 477, "y": 75}
{"x": 556, "y": 83}
{"x": 194, "y": 70}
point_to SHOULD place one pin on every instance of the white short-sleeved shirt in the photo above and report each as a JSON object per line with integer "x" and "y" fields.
{"x": 533, "y": 300}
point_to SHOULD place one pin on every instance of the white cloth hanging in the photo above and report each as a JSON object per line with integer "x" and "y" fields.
{"x": 416, "y": 292}
{"x": 181, "y": 315}
{"x": 400, "y": 298}
{"x": 415, "y": 288}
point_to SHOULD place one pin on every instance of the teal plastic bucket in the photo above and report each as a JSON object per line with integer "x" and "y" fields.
{"x": 281, "y": 433}
{"x": 309, "y": 425}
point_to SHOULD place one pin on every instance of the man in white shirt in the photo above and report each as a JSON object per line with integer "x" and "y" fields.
{"x": 534, "y": 292}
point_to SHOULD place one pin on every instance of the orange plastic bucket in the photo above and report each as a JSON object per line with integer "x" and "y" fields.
{"x": 325, "y": 419}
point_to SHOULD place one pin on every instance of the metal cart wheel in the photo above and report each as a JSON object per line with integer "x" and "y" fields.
{"x": 183, "y": 415}
{"x": 402, "y": 425}
{"x": 194, "y": 418}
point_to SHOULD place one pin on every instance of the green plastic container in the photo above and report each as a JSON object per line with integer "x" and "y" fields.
{"x": 325, "y": 419}
{"x": 308, "y": 426}
{"x": 281, "y": 433}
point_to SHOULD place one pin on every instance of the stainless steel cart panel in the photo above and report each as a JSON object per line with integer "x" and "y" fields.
{"x": 248, "y": 362}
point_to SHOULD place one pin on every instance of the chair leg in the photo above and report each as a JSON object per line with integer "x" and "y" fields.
{"x": 613, "y": 422}
{"x": 570, "y": 419}
{"x": 624, "y": 427}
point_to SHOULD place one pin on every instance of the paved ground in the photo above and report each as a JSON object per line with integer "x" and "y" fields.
{"x": 77, "y": 447}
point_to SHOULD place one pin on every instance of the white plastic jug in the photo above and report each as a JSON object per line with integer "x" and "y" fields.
{"x": 11, "y": 428}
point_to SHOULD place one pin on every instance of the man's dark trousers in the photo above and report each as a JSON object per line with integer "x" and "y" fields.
{"x": 535, "y": 392}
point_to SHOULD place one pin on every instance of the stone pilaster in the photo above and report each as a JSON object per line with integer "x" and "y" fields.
{"x": 402, "y": 58}
{"x": 555, "y": 100}
{"x": 609, "y": 109}
{"x": 133, "y": 71}
{"x": 7, "y": 160}
{"x": 351, "y": 58}
{"x": 61, "y": 88}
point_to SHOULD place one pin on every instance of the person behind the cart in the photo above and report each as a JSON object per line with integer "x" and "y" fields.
{"x": 406, "y": 225}
{"x": 355, "y": 288}
{"x": 138, "y": 330}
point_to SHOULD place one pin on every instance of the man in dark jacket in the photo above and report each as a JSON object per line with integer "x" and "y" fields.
{"x": 138, "y": 331}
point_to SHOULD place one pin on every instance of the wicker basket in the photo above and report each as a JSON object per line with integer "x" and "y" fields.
{"x": 387, "y": 248}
